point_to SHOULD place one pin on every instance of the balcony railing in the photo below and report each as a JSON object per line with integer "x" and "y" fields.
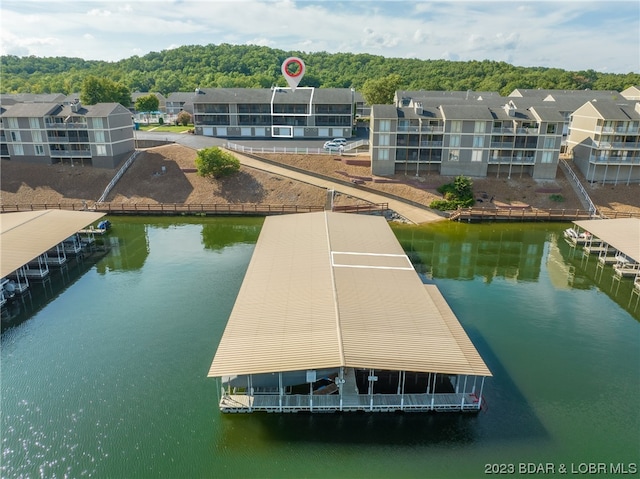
{"x": 614, "y": 160}
{"x": 511, "y": 160}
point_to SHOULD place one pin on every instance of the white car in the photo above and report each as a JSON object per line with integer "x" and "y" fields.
{"x": 340, "y": 141}
{"x": 331, "y": 145}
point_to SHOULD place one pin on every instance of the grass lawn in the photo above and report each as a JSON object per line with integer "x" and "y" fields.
{"x": 167, "y": 128}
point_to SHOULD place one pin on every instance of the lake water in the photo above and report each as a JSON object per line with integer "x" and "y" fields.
{"x": 104, "y": 369}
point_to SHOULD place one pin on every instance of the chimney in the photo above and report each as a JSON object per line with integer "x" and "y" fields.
{"x": 417, "y": 107}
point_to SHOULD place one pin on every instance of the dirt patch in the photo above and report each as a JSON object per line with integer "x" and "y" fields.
{"x": 167, "y": 174}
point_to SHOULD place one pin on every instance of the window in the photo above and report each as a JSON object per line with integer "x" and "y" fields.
{"x": 383, "y": 154}
{"x": 34, "y": 123}
{"x": 551, "y": 129}
{"x": 18, "y": 150}
{"x": 456, "y": 126}
{"x": 479, "y": 127}
{"x": 39, "y": 150}
{"x": 97, "y": 123}
{"x": 36, "y": 136}
{"x": 383, "y": 140}
{"x": 101, "y": 150}
{"x": 15, "y": 136}
{"x": 12, "y": 123}
{"x": 99, "y": 136}
{"x": 454, "y": 140}
{"x": 547, "y": 157}
{"x": 454, "y": 155}
{"x": 549, "y": 143}
{"x": 478, "y": 141}
{"x": 385, "y": 125}
{"x": 476, "y": 155}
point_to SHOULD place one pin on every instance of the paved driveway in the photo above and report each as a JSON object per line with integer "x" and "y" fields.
{"x": 412, "y": 213}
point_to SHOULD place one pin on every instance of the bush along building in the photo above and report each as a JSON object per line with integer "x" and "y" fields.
{"x": 278, "y": 112}
{"x": 98, "y": 135}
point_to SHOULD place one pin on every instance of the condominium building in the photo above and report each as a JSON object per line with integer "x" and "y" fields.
{"x": 604, "y": 138}
{"x": 180, "y": 101}
{"x": 473, "y": 136}
{"x": 305, "y": 112}
{"x": 100, "y": 135}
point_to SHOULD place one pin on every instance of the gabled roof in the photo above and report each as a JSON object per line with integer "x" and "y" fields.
{"x": 32, "y": 110}
{"x": 325, "y": 290}
{"x": 32, "y": 97}
{"x": 466, "y": 112}
{"x": 25, "y": 236}
{"x": 622, "y": 234}
{"x": 609, "y": 110}
{"x": 181, "y": 97}
{"x": 548, "y": 114}
{"x": 381, "y": 112}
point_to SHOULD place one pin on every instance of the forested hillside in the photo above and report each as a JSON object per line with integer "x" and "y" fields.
{"x": 188, "y": 67}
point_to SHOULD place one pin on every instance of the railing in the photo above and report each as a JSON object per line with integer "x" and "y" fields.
{"x": 194, "y": 209}
{"x": 519, "y": 214}
{"x": 504, "y": 160}
{"x": 299, "y": 151}
{"x": 442, "y": 402}
{"x": 577, "y": 186}
{"x": 117, "y": 176}
{"x": 275, "y": 149}
{"x": 355, "y": 144}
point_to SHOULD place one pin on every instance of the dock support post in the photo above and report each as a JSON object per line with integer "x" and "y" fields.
{"x": 404, "y": 379}
{"x": 480, "y": 396}
{"x": 280, "y": 390}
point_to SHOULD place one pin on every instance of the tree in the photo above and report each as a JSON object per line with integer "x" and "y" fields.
{"x": 381, "y": 91}
{"x": 216, "y": 163}
{"x": 147, "y": 103}
{"x": 102, "y": 90}
{"x": 183, "y": 118}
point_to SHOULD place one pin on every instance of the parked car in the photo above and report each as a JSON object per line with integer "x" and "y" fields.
{"x": 340, "y": 141}
{"x": 331, "y": 146}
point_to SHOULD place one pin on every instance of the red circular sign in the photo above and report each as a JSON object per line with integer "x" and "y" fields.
{"x": 294, "y": 61}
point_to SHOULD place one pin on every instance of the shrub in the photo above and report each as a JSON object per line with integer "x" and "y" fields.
{"x": 458, "y": 194}
{"x": 216, "y": 163}
{"x": 557, "y": 198}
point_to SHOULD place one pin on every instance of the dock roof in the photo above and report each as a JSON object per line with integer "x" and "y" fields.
{"x": 26, "y": 235}
{"x": 622, "y": 234}
{"x": 325, "y": 290}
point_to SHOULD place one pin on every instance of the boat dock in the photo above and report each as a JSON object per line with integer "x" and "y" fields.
{"x": 34, "y": 241}
{"x": 619, "y": 246}
{"x": 336, "y": 319}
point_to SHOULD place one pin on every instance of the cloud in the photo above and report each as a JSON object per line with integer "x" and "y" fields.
{"x": 544, "y": 33}
{"x": 96, "y": 12}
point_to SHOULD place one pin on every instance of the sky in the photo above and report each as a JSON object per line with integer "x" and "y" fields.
{"x": 568, "y": 34}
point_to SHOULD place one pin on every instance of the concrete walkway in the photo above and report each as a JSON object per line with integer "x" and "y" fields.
{"x": 408, "y": 211}
{"x": 412, "y": 213}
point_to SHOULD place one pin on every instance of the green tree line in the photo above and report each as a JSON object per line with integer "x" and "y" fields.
{"x": 248, "y": 66}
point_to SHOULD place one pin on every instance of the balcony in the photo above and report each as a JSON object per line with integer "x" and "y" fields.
{"x": 505, "y": 145}
{"x": 509, "y": 160}
{"x": 433, "y": 129}
{"x": 528, "y": 131}
{"x": 504, "y": 131}
{"x": 431, "y": 144}
{"x": 614, "y": 160}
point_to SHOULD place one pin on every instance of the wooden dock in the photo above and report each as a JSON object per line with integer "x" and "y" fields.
{"x": 179, "y": 209}
{"x": 241, "y": 403}
{"x": 477, "y": 214}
